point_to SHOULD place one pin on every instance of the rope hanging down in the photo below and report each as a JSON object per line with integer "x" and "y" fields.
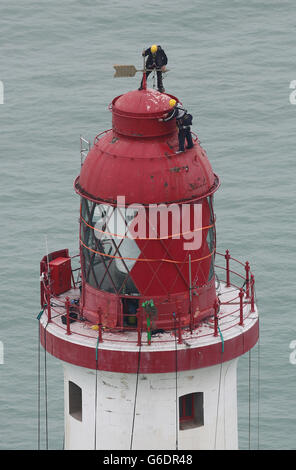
{"x": 38, "y": 390}
{"x": 149, "y": 260}
{"x": 136, "y": 391}
{"x": 96, "y": 395}
{"x": 258, "y": 395}
{"x": 176, "y": 382}
{"x": 39, "y": 381}
{"x": 219, "y": 388}
{"x": 45, "y": 388}
{"x": 117, "y": 235}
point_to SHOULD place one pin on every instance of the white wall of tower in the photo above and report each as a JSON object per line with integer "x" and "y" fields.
{"x": 107, "y": 416}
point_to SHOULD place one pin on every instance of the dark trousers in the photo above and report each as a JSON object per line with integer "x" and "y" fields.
{"x": 159, "y": 79}
{"x": 184, "y": 133}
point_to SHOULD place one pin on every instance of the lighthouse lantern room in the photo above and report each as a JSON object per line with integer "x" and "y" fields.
{"x": 150, "y": 325}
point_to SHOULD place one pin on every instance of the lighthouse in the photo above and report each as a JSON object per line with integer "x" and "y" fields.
{"x": 149, "y": 319}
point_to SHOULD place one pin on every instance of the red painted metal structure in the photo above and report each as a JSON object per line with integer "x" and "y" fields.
{"x": 136, "y": 159}
{"x": 129, "y": 173}
{"x": 158, "y": 361}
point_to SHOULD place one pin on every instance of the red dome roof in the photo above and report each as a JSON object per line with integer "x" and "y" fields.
{"x": 128, "y": 162}
{"x": 142, "y": 102}
{"x": 136, "y": 114}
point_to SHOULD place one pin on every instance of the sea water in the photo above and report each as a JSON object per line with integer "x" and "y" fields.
{"x": 231, "y": 64}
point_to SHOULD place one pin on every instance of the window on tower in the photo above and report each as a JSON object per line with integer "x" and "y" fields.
{"x": 191, "y": 411}
{"x": 75, "y": 401}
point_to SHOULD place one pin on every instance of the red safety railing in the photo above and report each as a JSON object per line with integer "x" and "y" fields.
{"x": 98, "y": 137}
{"x": 244, "y": 297}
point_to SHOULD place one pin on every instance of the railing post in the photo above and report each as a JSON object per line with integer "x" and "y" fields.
{"x": 148, "y": 329}
{"x": 67, "y": 303}
{"x": 100, "y": 325}
{"x": 247, "y": 268}
{"x": 241, "y": 307}
{"x": 252, "y": 294}
{"x": 216, "y": 318}
{"x": 48, "y": 304}
{"x": 227, "y": 257}
{"x": 73, "y": 280}
{"x": 139, "y": 325}
{"x": 190, "y": 295}
{"x": 179, "y": 326}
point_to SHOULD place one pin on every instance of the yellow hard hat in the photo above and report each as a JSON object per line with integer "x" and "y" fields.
{"x": 153, "y": 48}
{"x": 172, "y": 103}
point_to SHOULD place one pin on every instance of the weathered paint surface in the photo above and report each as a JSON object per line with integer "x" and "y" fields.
{"x": 109, "y": 414}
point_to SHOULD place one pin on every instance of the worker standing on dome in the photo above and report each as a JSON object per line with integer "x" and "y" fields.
{"x": 184, "y": 121}
{"x": 158, "y": 60}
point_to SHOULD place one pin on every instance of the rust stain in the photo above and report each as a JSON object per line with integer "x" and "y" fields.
{"x": 193, "y": 186}
{"x": 198, "y": 184}
{"x": 109, "y": 385}
{"x": 179, "y": 169}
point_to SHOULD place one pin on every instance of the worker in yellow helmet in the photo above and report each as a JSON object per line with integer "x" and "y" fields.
{"x": 183, "y": 120}
{"x": 158, "y": 60}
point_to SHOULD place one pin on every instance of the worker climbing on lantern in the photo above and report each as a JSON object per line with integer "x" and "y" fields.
{"x": 184, "y": 121}
{"x": 157, "y": 60}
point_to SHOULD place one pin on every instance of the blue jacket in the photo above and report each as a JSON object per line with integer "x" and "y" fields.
{"x": 157, "y": 60}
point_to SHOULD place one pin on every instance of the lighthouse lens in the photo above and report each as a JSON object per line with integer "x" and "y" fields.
{"x": 109, "y": 252}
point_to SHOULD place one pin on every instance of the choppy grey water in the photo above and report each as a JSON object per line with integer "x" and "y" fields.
{"x": 231, "y": 64}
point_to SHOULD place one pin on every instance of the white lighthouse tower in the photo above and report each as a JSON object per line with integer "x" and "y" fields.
{"x": 150, "y": 334}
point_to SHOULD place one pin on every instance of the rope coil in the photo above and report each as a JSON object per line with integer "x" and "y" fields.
{"x": 117, "y": 235}
{"x": 149, "y": 260}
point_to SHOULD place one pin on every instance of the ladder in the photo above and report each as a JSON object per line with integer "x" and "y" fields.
{"x": 84, "y": 149}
